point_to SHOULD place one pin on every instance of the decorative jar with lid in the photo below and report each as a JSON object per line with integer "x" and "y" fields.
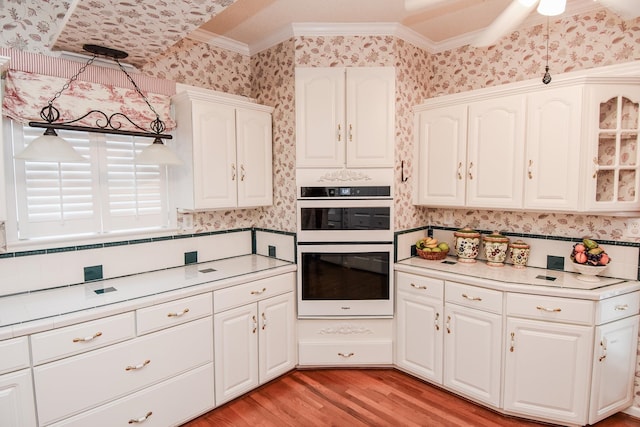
{"x": 519, "y": 253}
{"x": 467, "y": 244}
{"x": 495, "y": 249}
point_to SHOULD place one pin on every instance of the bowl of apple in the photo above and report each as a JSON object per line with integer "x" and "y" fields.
{"x": 430, "y": 248}
{"x": 589, "y": 259}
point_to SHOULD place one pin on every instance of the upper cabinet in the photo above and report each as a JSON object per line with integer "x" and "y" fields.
{"x": 612, "y": 171}
{"x": 569, "y": 147}
{"x": 345, "y": 117}
{"x": 226, "y": 145}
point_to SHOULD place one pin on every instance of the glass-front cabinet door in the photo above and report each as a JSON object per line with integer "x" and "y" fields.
{"x": 613, "y": 174}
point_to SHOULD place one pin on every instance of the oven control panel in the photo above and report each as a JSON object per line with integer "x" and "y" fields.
{"x": 377, "y": 191}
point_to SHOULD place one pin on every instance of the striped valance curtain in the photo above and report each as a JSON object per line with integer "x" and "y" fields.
{"x": 33, "y": 79}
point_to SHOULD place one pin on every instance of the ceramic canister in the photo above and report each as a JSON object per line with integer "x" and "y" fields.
{"x": 519, "y": 253}
{"x": 467, "y": 244}
{"x": 495, "y": 249}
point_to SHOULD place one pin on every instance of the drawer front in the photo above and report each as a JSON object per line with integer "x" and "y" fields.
{"x": 173, "y": 313}
{"x": 474, "y": 297}
{"x": 94, "y": 378}
{"x": 14, "y": 354}
{"x": 618, "y": 307}
{"x": 236, "y": 296}
{"x": 580, "y": 312}
{"x": 161, "y": 405}
{"x": 419, "y": 285}
{"x": 75, "y": 339}
{"x": 351, "y": 354}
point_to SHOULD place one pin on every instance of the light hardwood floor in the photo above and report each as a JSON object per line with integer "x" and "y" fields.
{"x": 360, "y": 397}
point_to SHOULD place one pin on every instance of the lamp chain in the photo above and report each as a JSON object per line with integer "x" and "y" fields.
{"x": 137, "y": 88}
{"x": 72, "y": 79}
{"x": 546, "y": 79}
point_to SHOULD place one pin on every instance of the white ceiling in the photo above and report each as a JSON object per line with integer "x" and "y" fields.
{"x": 147, "y": 28}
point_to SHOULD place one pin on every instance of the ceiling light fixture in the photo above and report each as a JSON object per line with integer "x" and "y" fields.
{"x": 50, "y": 147}
{"x": 551, "y": 7}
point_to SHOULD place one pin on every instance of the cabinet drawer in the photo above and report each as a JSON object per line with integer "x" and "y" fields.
{"x": 335, "y": 354}
{"x": 161, "y": 405}
{"x": 555, "y": 309}
{"x": 618, "y": 307}
{"x": 94, "y": 378}
{"x": 236, "y": 296}
{"x": 14, "y": 354}
{"x": 419, "y": 285}
{"x": 474, "y": 297}
{"x": 75, "y": 339}
{"x": 173, "y": 313}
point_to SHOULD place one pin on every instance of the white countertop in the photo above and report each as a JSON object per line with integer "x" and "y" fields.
{"x": 522, "y": 280}
{"x": 47, "y": 309}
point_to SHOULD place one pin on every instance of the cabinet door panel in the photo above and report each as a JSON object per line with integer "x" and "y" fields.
{"x": 613, "y": 368}
{"x": 441, "y": 156}
{"x": 419, "y": 336}
{"x": 496, "y": 152}
{"x": 236, "y": 352}
{"x": 320, "y": 109}
{"x": 547, "y": 370}
{"x": 17, "y": 408}
{"x": 277, "y": 336}
{"x": 472, "y": 344}
{"x": 553, "y": 149}
{"x": 214, "y": 158}
{"x": 370, "y": 120}
{"x": 254, "y": 156}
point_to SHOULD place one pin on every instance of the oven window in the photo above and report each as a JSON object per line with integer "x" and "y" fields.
{"x": 345, "y": 276}
{"x": 361, "y": 218}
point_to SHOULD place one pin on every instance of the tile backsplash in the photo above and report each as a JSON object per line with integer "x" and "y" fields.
{"x": 624, "y": 264}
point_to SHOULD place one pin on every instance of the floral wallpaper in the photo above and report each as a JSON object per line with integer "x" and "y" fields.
{"x": 29, "y": 25}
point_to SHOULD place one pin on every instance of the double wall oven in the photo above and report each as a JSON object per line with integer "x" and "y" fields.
{"x": 345, "y": 251}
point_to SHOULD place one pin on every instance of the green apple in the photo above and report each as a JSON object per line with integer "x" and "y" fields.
{"x": 436, "y": 250}
{"x": 443, "y": 247}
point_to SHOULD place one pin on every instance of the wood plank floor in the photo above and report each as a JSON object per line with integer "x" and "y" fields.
{"x": 360, "y": 397}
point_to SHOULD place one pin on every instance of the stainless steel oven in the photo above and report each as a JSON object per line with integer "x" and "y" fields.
{"x": 345, "y": 251}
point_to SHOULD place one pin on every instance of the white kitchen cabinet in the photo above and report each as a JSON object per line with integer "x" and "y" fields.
{"x": 419, "y": 326}
{"x": 441, "y": 155}
{"x": 547, "y": 370}
{"x": 17, "y": 408}
{"x": 226, "y": 145}
{"x": 553, "y": 152}
{"x": 612, "y": 166}
{"x": 495, "y": 152}
{"x": 345, "y": 117}
{"x": 472, "y": 344}
{"x": 254, "y": 342}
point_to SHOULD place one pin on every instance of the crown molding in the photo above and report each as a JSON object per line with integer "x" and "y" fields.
{"x": 220, "y": 41}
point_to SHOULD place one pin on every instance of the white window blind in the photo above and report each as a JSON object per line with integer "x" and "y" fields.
{"x": 110, "y": 192}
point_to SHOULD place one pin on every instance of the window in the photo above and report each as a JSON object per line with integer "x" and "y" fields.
{"x": 108, "y": 193}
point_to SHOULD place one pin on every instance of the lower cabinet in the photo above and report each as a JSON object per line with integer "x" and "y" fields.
{"x": 547, "y": 368}
{"x": 561, "y": 360}
{"x": 254, "y": 343}
{"x": 17, "y": 408}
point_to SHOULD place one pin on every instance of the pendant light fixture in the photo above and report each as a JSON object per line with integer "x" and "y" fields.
{"x": 51, "y": 148}
{"x": 546, "y": 78}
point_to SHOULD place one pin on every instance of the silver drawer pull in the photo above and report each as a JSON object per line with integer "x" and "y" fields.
{"x": 422, "y": 287}
{"x": 140, "y": 366}
{"x": 258, "y": 292}
{"x": 89, "y": 338}
{"x": 141, "y": 419}
{"x": 346, "y": 354}
{"x": 549, "y": 310}
{"x": 622, "y": 307}
{"x": 465, "y": 296}
{"x": 185, "y": 311}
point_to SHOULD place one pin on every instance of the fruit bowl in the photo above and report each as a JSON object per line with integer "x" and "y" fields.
{"x": 432, "y": 255}
{"x": 589, "y": 273}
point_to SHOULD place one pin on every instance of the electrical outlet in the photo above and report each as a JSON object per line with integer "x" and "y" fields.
{"x": 448, "y": 217}
{"x": 633, "y": 228}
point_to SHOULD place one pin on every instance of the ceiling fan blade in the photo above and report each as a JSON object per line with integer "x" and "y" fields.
{"x": 624, "y": 8}
{"x": 411, "y": 5}
{"x": 507, "y": 21}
